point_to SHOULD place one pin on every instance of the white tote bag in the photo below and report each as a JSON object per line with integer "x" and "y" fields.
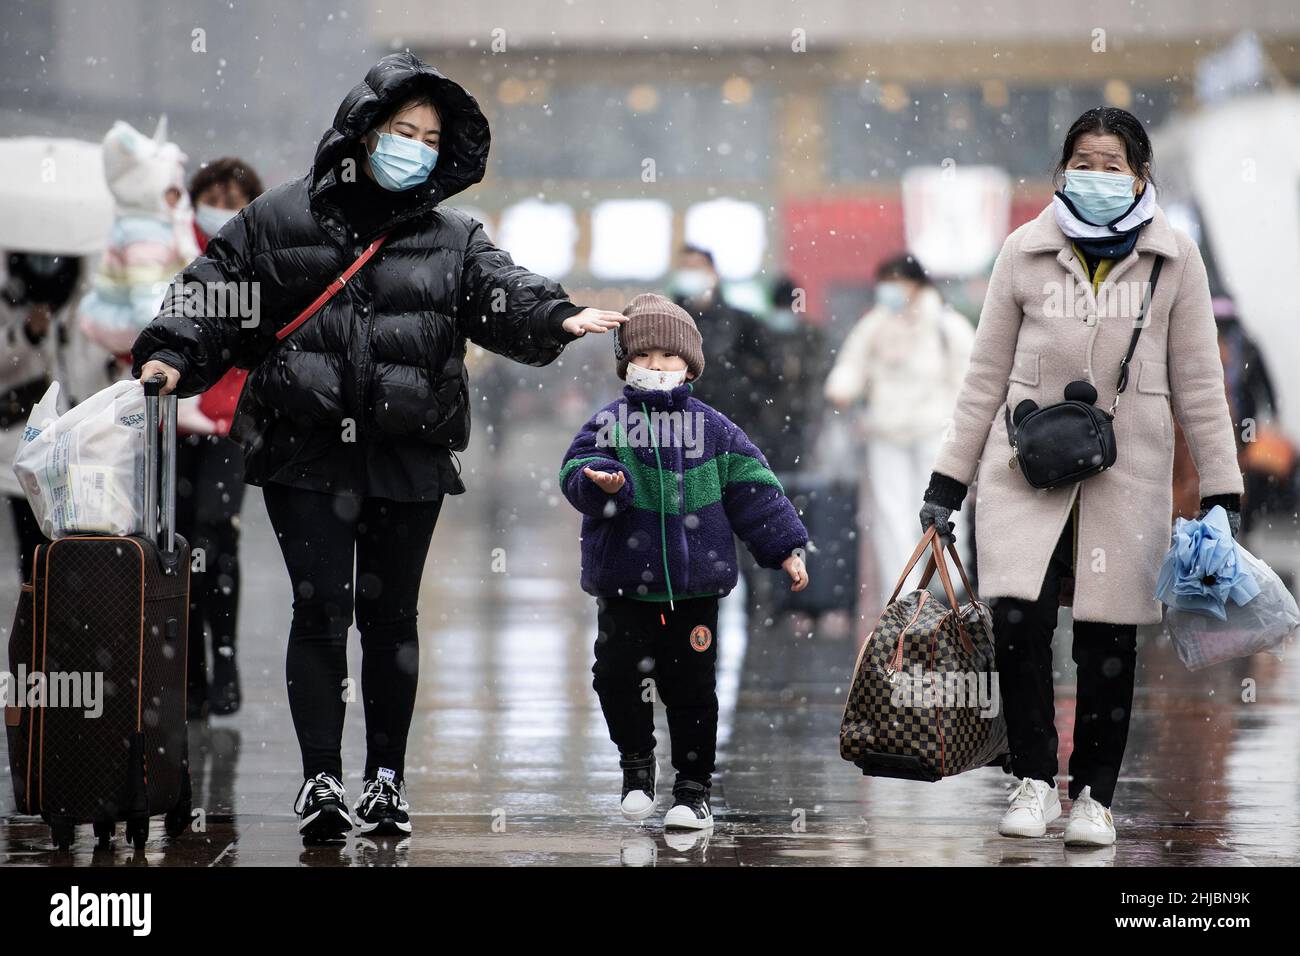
{"x": 83, "y": 471}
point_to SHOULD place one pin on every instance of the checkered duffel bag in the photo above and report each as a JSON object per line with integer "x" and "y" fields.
{"x": 924, "y": 703}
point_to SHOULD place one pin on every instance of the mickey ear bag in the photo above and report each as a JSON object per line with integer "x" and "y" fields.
{"x": 1066, "y": 442}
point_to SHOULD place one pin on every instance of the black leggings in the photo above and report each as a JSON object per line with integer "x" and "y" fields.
{"x": 1106, "y": 655}
{"x": 319, "y": 533}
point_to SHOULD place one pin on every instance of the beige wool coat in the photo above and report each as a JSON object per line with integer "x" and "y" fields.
{"x": 1042, "y": 327}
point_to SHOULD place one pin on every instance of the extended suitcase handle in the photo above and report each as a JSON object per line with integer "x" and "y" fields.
{"x": 159, "y": 497}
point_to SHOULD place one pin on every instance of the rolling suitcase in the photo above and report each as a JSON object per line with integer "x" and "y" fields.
{"x": 104, "y": 620}
{"x": 829, "y": 509}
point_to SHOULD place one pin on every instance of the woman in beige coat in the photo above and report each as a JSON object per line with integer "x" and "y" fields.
{"x": 1061, "y": 305}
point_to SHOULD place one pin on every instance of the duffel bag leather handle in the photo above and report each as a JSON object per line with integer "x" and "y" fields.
{"x": 961, "y": 570}
{"x": 937, "y": 562}
{"x": 931, "y": 541}
{"x": 921, "y": 547}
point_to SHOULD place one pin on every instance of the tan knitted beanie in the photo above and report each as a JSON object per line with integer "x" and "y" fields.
{"x": 654, "y": 321}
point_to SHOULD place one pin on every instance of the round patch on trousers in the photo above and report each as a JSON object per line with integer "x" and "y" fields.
{"x": 701, "y": 637}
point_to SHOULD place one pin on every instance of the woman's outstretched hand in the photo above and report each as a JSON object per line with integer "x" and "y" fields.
{"x": 593, "y": 320}
{"x": 154, "y": 367}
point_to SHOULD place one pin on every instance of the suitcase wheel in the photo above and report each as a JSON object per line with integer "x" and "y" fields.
{"x": 137, "y": 832}
{"x": 104, "y": 833}
{"x": 62, "y": 834}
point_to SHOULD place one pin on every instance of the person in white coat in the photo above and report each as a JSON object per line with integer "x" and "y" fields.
{"x": 905, "y": 359}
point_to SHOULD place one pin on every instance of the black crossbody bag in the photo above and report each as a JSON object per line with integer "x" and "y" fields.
{"x": 1064, "y": 443}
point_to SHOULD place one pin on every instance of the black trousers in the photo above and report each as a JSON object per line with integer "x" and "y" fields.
{"x": 320, "y": 534}
{"x": 640, "y": 658}
{"x": 209, "y": 497}
{"x": 1106, "y": 655}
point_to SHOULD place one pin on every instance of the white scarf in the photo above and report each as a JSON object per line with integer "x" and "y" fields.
{"x": 1076, "y": 228}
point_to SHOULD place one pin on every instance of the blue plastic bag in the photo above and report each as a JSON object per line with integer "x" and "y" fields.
{"x": 1203, "y": 569}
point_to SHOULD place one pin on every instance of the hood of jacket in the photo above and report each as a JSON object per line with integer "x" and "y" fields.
{"x": 463, "y": 145}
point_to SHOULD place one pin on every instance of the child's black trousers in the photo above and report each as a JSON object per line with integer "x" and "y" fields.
{"x": 641, "y": 658}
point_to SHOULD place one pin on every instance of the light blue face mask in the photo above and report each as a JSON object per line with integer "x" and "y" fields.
{"x": 400, "y": 163}
{"x": 1100, "y": 198}
{"x": 892, "y": 295}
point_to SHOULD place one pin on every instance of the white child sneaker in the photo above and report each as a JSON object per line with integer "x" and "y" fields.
{"x": 1034, "y": 804}
{"x": 690, "y": 809}
{"x": 640, "y": 778}
{"x": 1090, "y": 823}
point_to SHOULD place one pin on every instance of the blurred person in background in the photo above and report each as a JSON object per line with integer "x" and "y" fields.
{"x": 35, "y": 299}
{"x": 733, "y": 334}
{"x": 1097, "y": 544}
{"x": 742, "y": 389}
{"x": 904, "y": 361}
{"x": 1267, "y": 455}
{"x": 794, "y": 353}
{"x": 790, "y": 363}
{"x": 349, "y": 424}
{"x": 210, "y": 475}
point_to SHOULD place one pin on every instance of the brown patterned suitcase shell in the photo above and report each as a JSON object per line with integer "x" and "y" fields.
{"x": 893, "y": 726}
{"x": 115, "y": 611}
{"x": 102, "y": 606}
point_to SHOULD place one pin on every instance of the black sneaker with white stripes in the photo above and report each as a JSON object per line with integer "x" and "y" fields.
{"x": 382, "y": 810}
{"x": 322, "y": 812}
{"x": 690, "y": 809}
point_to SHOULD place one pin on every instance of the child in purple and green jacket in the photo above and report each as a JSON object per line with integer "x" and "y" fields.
{"x": 663, "y": 481}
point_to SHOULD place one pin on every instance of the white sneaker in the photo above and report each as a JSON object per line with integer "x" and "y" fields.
{"x": 640, "y": 780}
{"x": 1034, "y": 804}
{"x": 690, "y": 809}
{"x": 1090, "y": 823}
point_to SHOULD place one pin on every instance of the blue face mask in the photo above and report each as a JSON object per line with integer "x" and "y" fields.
{"x": 1100, "y": 198}
{"x": 400, "y": 163}
{"x": 892, "y": 295}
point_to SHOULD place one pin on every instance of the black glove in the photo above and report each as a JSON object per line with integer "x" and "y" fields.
{"x": 1230, "y": 503}
{"x": 942, "y": 498}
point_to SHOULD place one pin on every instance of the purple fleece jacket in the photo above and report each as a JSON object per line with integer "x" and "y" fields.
{"x": 692, "y": 479}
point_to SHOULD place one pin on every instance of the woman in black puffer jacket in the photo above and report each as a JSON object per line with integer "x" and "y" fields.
{"x": 349, "y": 422}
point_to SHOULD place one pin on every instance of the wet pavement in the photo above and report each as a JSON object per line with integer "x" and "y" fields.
{"x": 509, "y": 762}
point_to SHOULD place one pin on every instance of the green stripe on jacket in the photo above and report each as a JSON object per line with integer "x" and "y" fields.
{"x": 703, "y": 484}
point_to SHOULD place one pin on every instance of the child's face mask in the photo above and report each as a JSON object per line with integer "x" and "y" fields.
{"x": 650, "y": 380}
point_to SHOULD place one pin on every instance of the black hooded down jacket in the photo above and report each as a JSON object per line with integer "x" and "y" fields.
{"x": 370, "y": 395}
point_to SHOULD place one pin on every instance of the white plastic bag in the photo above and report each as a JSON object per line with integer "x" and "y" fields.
{"x": 83, "y": 471}
{"x": 1261, "y": 624}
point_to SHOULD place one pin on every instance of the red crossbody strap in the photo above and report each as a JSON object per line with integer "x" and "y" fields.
{"x": 332, "y": 288}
